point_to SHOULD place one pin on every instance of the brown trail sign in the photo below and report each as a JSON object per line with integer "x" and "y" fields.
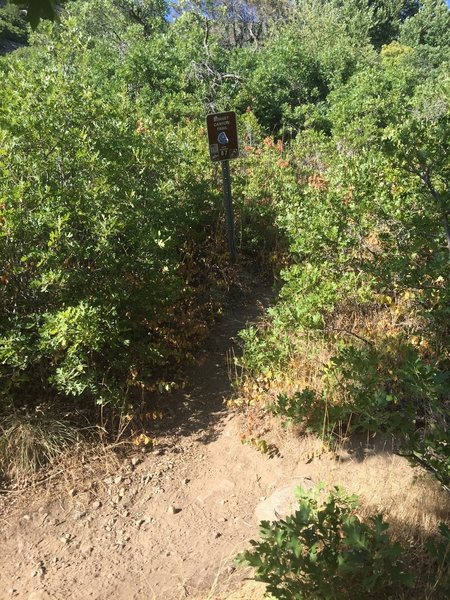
{"x": 222, "y": 136}
{"x": 223, "y": 146}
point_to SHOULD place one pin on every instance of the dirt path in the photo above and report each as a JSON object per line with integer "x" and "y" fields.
{"x": 164, "y": 528}
{"x": 166, "y": 525}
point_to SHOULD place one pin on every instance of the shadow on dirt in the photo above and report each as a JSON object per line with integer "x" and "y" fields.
{"x": 200, "y": 406}
{"x": 362, "y": 445}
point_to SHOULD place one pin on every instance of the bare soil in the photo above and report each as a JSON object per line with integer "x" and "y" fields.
{"x": 167, "y": 524}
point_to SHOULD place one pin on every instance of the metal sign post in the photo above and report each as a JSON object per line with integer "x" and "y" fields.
{"x": 224, "y": 146}
{"x": 229, "y": 216}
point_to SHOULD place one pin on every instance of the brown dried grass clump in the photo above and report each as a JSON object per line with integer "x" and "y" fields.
{"x": 31, "y": 440}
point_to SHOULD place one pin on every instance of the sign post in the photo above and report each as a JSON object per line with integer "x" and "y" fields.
{"x": 224, "y": 146}
{"x": 229, "y": 216}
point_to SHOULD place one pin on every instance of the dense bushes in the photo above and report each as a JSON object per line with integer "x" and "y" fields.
{"x": 363, "y": 318}
{"x": 99, "y": 194}
{"x": 13, "y": 28}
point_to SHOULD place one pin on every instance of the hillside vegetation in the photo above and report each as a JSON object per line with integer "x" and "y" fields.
{"x": 112, "y": 251}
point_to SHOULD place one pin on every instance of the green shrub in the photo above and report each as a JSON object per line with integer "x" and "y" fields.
{"x": 13, "y": 28}
{"x": 99, "y": 194}
{"x": 323, "y": 551}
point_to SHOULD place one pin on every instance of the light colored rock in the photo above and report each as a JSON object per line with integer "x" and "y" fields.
{"x": 65, "y": 538}
{"x": 86, "y": 549}
{"x": 39, "y": 595}
{"x": 282, "y": 502}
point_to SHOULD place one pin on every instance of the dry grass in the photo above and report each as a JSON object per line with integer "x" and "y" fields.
{"x": 30, "y": 441}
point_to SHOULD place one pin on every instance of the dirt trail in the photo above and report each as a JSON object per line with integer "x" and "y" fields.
{"x": 166, "y": 525}
{"x": 164, "y": 528}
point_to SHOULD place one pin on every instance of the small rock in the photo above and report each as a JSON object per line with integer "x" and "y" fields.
{"x": 72, "y": 492}
{"x": 135, "y": 460}
{"x": 122, "y": 492}
{"x": 139, "y": 523}
{"x": 108, "y": 481}
{"x": 96, "y": 504}
{"x": 186, "y": 481}
{"x": 172, "y": 510}
{"x": 26, "y": 518}
{"x": 12, "y": 592}
{"x": 118, "y": 479}
{"x": 86, "y": 549}
{"x": 79, "y": 514}
{"x": 65, "y": 539}
{"x": 217, "y": 535}
{"x": 222, "y": 520}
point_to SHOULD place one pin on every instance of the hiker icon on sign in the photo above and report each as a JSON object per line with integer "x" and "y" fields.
{"x": 222, "y": 138}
